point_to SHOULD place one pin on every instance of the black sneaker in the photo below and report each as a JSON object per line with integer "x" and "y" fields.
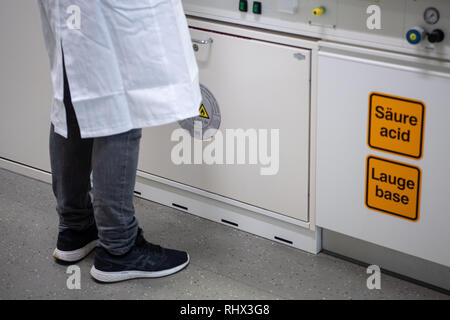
{"x": 144, "y": 260}
{"x": 75, "y": 245}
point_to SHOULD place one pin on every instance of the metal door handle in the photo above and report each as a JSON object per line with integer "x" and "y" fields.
{"x": 209, "y": 41}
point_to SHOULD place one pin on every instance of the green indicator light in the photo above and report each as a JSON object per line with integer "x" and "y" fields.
{"x": 257, "y": 7}
{"x": 243, "y": 5}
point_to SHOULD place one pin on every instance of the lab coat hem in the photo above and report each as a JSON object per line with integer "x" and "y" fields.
{"x": 144, "y": 124}
{"x": 60, "y": 131}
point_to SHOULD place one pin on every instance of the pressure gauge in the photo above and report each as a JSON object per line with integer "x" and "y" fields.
{"x": 431, "y": 16}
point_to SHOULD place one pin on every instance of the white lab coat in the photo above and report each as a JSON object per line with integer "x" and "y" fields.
{"x": 129, "y": 65}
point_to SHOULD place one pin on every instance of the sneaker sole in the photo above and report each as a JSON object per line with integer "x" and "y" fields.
{"x": 75, "y": 255}
{"x": 104, "y": 276}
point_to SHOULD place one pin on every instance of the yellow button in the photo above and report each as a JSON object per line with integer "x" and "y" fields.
{"x": 318, "y": 11}
{"x": 413, "y": 36}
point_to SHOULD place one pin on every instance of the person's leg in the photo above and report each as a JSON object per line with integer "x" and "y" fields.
{"x": 114, "y": 165}
{"x": 123, "y": 252}
{"x": 71, "y": 166}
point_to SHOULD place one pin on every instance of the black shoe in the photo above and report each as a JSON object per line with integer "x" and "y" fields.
{"x": 75, "y": 245}
{"x": 144, "y": 260}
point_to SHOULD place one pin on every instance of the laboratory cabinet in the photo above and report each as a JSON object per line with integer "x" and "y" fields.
{"x": 25, "y": 87}
{"x": 388, "y": 189}
{"x": 257, "y": 122}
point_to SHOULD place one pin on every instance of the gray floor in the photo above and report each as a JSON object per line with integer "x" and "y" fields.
{"x": 225, "y": 263}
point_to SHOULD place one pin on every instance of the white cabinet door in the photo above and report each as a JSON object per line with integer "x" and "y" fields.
{"x": 25, "y": 87}
{"x": 345, "y": 83}
{"x": 259, "y": 87}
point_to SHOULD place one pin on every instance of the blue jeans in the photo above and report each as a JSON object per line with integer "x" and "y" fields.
{"x": 113, "y": 162}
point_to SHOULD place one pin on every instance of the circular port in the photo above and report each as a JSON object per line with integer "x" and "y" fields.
{"x": 415, "y": 35}
{"x": 318, "y": 11}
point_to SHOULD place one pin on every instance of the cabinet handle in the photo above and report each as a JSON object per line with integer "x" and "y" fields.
{"x": 209, "y": 41}
{"x": 299, "y": 56}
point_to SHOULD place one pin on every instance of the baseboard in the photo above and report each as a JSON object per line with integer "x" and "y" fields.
{"x": 232, "y": 216}
{"x": 423, "y": 272}
{"x": 24, "y": 170}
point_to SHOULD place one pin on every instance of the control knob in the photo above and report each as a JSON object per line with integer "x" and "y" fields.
{"x": 436, "y": 36}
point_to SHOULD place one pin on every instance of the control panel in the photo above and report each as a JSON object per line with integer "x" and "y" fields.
{"x": 420, "y": 27}
{"x": 428, "y": 25}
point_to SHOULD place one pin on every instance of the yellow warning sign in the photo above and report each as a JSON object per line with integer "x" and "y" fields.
{"x": 396, "y": 125}
{"x": 203, "y": 112}
{"x": 393, "y": 188}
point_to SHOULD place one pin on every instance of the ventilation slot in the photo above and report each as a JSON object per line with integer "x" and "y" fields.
{"x": 230, "y": 223}
{"x": 283, "y": 240}
{"x": 179, "y": 207}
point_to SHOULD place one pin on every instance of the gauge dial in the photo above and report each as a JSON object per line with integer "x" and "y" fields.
{"x": 431, "y": 16}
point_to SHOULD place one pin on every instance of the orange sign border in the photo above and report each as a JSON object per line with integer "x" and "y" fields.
{"x": 422, "y": 124}
{"x": 366, "y": 202}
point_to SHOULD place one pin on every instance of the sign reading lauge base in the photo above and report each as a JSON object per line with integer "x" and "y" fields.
{"x": 393, "y": 188}
{"x": 396, "y": 125}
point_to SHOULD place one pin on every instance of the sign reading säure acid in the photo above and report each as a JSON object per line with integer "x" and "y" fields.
{"x": 396, "y": 125}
